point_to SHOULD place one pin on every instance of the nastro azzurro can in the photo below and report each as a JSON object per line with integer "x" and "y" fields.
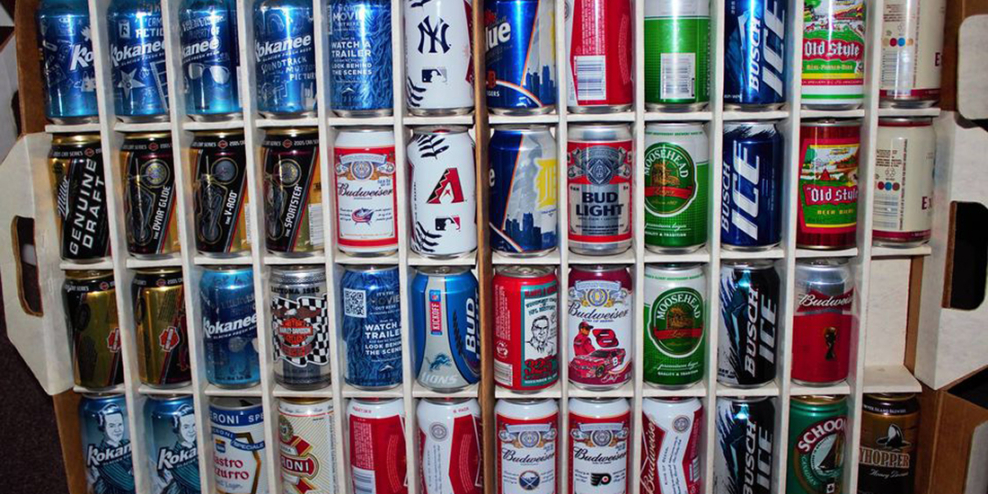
{"x": 677, "y": 184}
{"x": 239, "y": 448}
{"x": 675, "y": 324}
{"x": 677, "y": 54}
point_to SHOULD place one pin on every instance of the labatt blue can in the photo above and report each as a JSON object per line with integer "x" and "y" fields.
{"x": 285, "y": 58}
{"x": 210, "y": 58}
{"x": 751, "y": 190}
{"x": 360, "y": 74}
{"x": 173, "y": 453}
{"x": 445, "y": 324}
{"x": 67, "y": 71}
{"x": 371, "y": 326}
{"x": 137, "y": 52}
{"x": 229, "y": 326}
{"x": 755, "y": 72}
{"x": 106, "y": 447}
{"x": 521, "y": 56}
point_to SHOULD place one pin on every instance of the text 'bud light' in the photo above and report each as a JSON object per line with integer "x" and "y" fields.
{"x": 445, "y": 311}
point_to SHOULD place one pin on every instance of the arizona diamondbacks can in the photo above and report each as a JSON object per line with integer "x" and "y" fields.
{"x": 675, "y": 323}
{"x": 677, "y": 186}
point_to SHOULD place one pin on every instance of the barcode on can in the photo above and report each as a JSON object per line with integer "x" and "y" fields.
{"x": 892, "y": 67}
{"x": 503, "y": 372}
{"x": 887, "y": 214}
{"x": 591, "y": 77}
{"x": 676, "y": 76}
{"x": 316, "y": 234}
{"x": 363, "y": 481}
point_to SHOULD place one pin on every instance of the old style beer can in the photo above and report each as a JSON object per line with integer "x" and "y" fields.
{"x": 675, "y": 308}
{"x": 526, "y": 432}
{"x": 149, "y": 194}
{"x": 745, "y": 445}
{"x": 750, "y": 292}
{"x": 677, "y": 184}
{"x": 366, "y": 191}
{"x": 525, "y": 327}
{"x": 904, "y": 176}
{"x": 307, "y": 433}
{"x": 912, "y": 52}
{"x": 670, "y": 456}
{"x": 755, "y": 67}
{"x": 446, "y": 329}
{"x": 136, "y": 38}
{"x": 91, "y": 318}
{"x": 378, "y": 463}
{"x": 76, "y": 169}
{"x": 292, "y": 191}
{"x": 600, "y": 435}
{"x": 599, "y": 168}
{"x": 817, "y": 440}
{"x": 827, "y": 211}
{"x": 521, "y": 56}
{"x": 599, "y": 55}
{"x": 300, "y": 326}
{"x": 600, "y": 305}
{"x": 823, "y": 326}
{"x": 370, "y": 326}
{"x": 360, "y": 70}
{"x": 162, "y": 336}
{"x": 239, "y": 449}
{"x": 229, "y": 326}
{"x": 833, "y": 54}
{"x": 106, "y": 444}
{"x": 438, "y": 57}
{"x": 677, "y": 55}
{"x": 450, "y": 446}
{"x": 751, "y": 187}
{"x": 210, "y": 58}
{"x": 285, "y": 58}
{"x": 68, "y": 75}
{"x": 172, "y": 445}
{"x": 219, "y": 191}
{"x": 889, "y": 434}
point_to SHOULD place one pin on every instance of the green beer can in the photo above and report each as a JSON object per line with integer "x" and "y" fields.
{"x": 677, "y": 169}
{"x": 675, "y": 324}
{"x": 677, "y": 51}
{"x": 817, "y": 427}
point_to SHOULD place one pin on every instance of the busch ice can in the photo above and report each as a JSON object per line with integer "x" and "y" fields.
{"x": 149, "y": 196}
{"x": 749, "y": 323}
{"x": 300, "y": 326}
{"x": 745, "y": 444}
{"x": 670, "y": 456}
{"x": 526, "y": 432}
{"x": 521, "y": 56}
{"x": 163, "y": 359}
{"x": 229, "y": 326}
{"x": 751, "y": 187}
{"x": 371, "y": 326}
{"x": 755, "y": 72}
{"x": 366, "y": 191}
{"x": 904, "y": 177}
{"x": 360, "y": 71}
{"x": 599, "y": 172}
{"x": 219, "y": 192}
{"x": 378, "y": 463}
{"x": 285, "y": 58}
{"x": 137, "y": 51}
{"x": 106, "y": 443}
{"x": 450, "y": 446}
{"x": 526, "y": 330}
{"x": 675, "y": 324}
{"x": 68, "y": 76}
{"x": 90, "y": 303}
{"x": 307, "y": 433}
{"x": 600, "y": 305}
{"x": 599, "y": 47}
{"x": 823, "y": 326}
{"x": 210, "y": 58}
{"x": 172, "y": 446}
{"x": 292, "y": 191}
{"x": 76, "y": 169}
{"x": 445, "y": 311}
{"x": 600, "y": 435}
{"x": 239, "y": 449}
{"x": 438, "y": 56}
{"x": 677, "y": 186}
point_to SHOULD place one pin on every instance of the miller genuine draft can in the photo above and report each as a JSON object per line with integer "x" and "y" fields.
{"x": 749, "y": 322}
{"x": 91, "y": 316}
{"x": 677, "y": 174}
{"x": 76, "y": 166}
{"x": 307, "y": 433}
{"x": 292, "y": 191}
{"x": 745, "y": 450}
{"x": 162, "y": 338}
{"x": 817, "y": 448}
{"x": 833, "y": 54}
{"x": 599, "y": 171}
{"x": 677, "y": 54}
{"x": 889, "y": 431}
{"x": 106, "y": 444}
{"x": 219, "y": 168}
{"x": 675, "y": 324}
{"x": 300, "y": 326}
{"x": 149, "y": 194}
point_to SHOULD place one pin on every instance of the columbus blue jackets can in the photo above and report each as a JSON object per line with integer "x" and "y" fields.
{"x": 173, "y": 453}
{"x": 521, "y": 56}
{"x": 745, "y": 444}
{"x": 360, "y": 57}
{"x": 755, "y": 71}
{"x": 67, "y": 71}
{"x": 106, "y": 445}
{"x": 751, "y": 190}
{"x": 749, "y": 322}
{"x": 445, "y": 309}
{"x": 210, "y": 58}
{"x": 229, "y": 326}
{"x": 300, "y": 326}
{"x": 285, "y": 58}
{"x": 137, "y": 51}
{"x": 371, "y": 326}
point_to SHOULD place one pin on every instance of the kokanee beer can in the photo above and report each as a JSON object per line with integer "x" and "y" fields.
{"x": 68, "y": 75}
{"x": 360, "y": 70}
{"x": 751, "y": 186}
{"x": 677, "y": 55}
{"x": 827, "y": 212}
{"x": 817, "y": 437}
{"x": 378, "y": 462}
{"x": 210, "y": 59}
{"x": 521, "y": 56}
{"x": 366, "y": 191}
{"x": 833, "y": 54}
{"x": 677, "y": 184}
{"x": 600, "y": 435}
{"x": 526, "y": 432}
{"x": 446, "y": 329}
{"x": 675, "y": 324}
{"x": 904, "y": 176}
{"x": 229, "y": 326}
{"x": 745, "y": 445}
{"x": 912, "y": 51}
{"x": 163, "y": 359}
{"x": 136, "y": 36}
{"x": 300, "y": 326}
{"x": 76, "y": 166}
{"x": 285, "y": 58}
{"x": 750, "y": 293}
{"x": 219, "y": 191}
{"x": 526, "y": 327}
{"x": 106, "y": 443}
{"x": 443, "y": 191}
{"x": 670, "y": 456}
{"x": 371, "y": 326}
{"x": 307, "y": 433}
{"x": 755, "y": 73}
{"x": 239, "y": 449}
{"x": 889, "y": 434}
{"x": 823, "y": 326}
{"x": 600, "y": 304}
{"x": 450, "y": 451}
{"x": 91, "y": 317}
{"x": 149, "y": 196}
{"x": 172, "y": 446}
{"x": 438, "y": 57}
{"x": 599, "y": 172}
{"x": 292, "y": 191}
{"x": 599, "y": 55}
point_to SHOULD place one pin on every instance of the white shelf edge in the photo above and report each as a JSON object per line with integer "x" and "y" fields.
{"x": 890, "y": 379}
{"x": 886, "y": 252}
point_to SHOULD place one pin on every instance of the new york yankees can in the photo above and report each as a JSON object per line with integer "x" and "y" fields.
{"x": 300, "y": 326}
{"x": 438, "y": 56}
{"x": 527, "y": 437}
{"x": 600, "y": 436}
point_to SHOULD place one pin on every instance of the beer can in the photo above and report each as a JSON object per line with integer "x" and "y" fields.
{"x": 743, "y": 457}
{"x": 600, "y": 171}
{"x": 521, "y": 56}
{"x": 526, "y": 432}
{"x": 210, "y": 58}
{"x": 438, "y": 57}
{"x": 675, "y": 308}
{"x": 912, "y": 52}
{"x": 599, "y": 50}
{"x": 755, "y": 71}
{"x": 239, "y": 450}
{"x": 889, "y": 434}
{"x": 751, "y": 186}
{"x": 446, "y": 329}
{"x": 443, "y": 191}
{"x": 91, "y": 317}
{"x": 677, "y": 55}
{"x": 292, "y": 191}
{"x": 827, "y": 212}
{"x": 750, "y": 293}
{"x": 172, "y": 446}
{"x": 450, "y": 448}
{"x": 600, "y": 304}
{"x": 300, "y": 326}
{"x": 817, "y": 438}
{"x": 526, "y": 328}
{"x": 149, "y": 194}
{"x": 904, "y": 177}
{"x": 106, "y": 443}
{"x": 68, "y": 76}
{"x": 307, "y": 433}
{"x": 378, "y": 462}
{"x": 670, "y": 456}
{"x": 137, "y": 48}
{"x": 285, "y": 58}
{"x": 524, "y": 201}
{"x": 360, "y": 70}
{"x": 219, "y": 191}
{"x": 677, "y": 186}
{"x": 229, "y": 326}
{"x": 366, "y": 191}
{"x": 76, "y": 166}
{"x": 163, "y": 359}
{"x": 600, "y": 431}
{"x": 823, "y": 326}
{"x": 833, "y": 54}
{"x": 371, "y": 326}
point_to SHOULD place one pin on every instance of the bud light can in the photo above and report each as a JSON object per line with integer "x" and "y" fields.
{"x": 521, "y": 56}
{"x": 163, "y": 359}
{"x": 526, "y": 327}
{"x": 149, "y": 198}
{"x": 600, "y": 305}
{"x": 527, "y": 438}
{"x": 670, "y": 456}
{"x": 172, "y": 446}
{"x": 450, "y": 446}
{"x": 751, "y": 187}
{"x": 219, "y": 192}
{"x": 307, "y": 433}
{"x": 239, "y": 449}
{"x": 749, "y": 322}
{"x": 600, "y": 435}
{"x": 366, "y": 191}
{"x": 300, "y": 326}
{"x": 599, "y": 167}
{"x": 438, "y": 56}
{"x": 106, "y": 443}
{"x": 755, "y": 72}
{"x": 823, "y": 326}
{"x": 90, "y": 300}
{"x": 210, "y": 58}
{"x": 378, "y": 462}
{"x": 444, "y": 317}
{"x": 371, "y": 326}
{"x": 599, "y": 48}
{"x": 292, "y": 191}
{"x": 76, "y": 166}
{"x": 744, "y": 454}
{"x": 137, "y": 51}
{"x": 360, "y": 70}
{"x": 229, "y": 326}
{"x": 285, "y": 58}
{"x": 68, "y": 76}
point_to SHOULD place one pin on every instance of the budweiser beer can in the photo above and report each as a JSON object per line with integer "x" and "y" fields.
{"x": 239, "y": 452}
{"x": 378, "y": 463}
{"x": 599, "y": 176}
{"x": 438, "y": 56}
{"x": 823, "y": 326}
{"x": 745, "y": 446}
{"x": 525, "y": 327}
{"x": 308, "y": 450}
{"x": 600, "y": 433}
{"x": 526, "y": 446}
{"x": 450, "y": 446}
{"x": 903, "y": 205}
{"x": 599, "y": 46}
{"x": 600, "y": 307}
{"x": 670, "y": 459}
{"x": 366, "y": 191}
{"x": 292, "y": 191}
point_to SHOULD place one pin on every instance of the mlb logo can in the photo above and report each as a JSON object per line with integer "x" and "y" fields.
{"x": 438, "y": 56}
{"x": 526, "y": 327}
{"x": 527, "y": 438}
{"x": 378, "y": 462}
{"x": 450, "y": 446}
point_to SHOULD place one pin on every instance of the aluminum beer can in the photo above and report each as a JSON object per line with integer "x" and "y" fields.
{"x": 172, "y": 445}
{"x": 438, "y": 57}
{"x": 360, "y": 70}
{"x": 68, "y": 76}
{"x": 106, "y": 443}
{"x": 677, "y": 55}
{"x": 526, "y": 327}
{"x": 755, "y": 71}
{"x": 210, "y": 58}
{"x": 366, "y": 191}
{"x": 526, "y": 432}
{"x": 600, "y": 431}
{"x": 307, "y": 433}
{"x": 521, "y": 56}
{"x": 524, "y": 202}
{"x": 229, "y": 325}
{"x": 162, "y": 335}
{"x": 443, "y": 191}
{"x": 677, "y": 185}
{"x": 76, "y": 170}
{"x": 219, "y": 191}
{"x": 751, "y": 186}
{"x": 817, "y": 437}
{"x": 600, "y": 304}
{"x": 904, "y": 177}
{"x": 599, "y": 48}
{"x": 744, "y": 454}
{"x": 149, "y": 197}
{"x": 446, "y": 329}
{"x": 912, "y": 53}
{"x": 670, "y": 456}
{"x": 827, "y": 211}
{"x": 292, "y": 191}
{"x": 371, "y": 326}
{"x": 833, "y": 54}
{"x": 378, "y": 463}
{"x": 750, "y": 293}
{"x": 90, "y": 303}
{"x": 823, "y": 326}
{"x": 300, "y": 326}
{"x": 600, "y": 169}
{"x": 675, "y": 324}
{"x": 137, "y": 49}
{"x": 889, "y": 434}
{"x": 450, "y": 446}
{"x": 285, "y": 58}
{"x": 239, "y": 449}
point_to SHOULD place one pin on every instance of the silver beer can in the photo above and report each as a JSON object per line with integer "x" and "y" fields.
{"x": 307, "y": 434}
{"x": 300, "y": 326}
{"x": 599, "y": 179}
{"x": 438, "y": 57}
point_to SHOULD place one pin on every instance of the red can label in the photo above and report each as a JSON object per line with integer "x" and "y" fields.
{"x": 598, "y": 33}
{"x": 828, "y": 187}
{"x": 822, "y": 332}
{"x": 526, "y": 332}
{"x": 670, "y": 461}
{"x": 366, "y": 201}
{"x": 598, "y": 460}
{"x": 377, "y": 455}
{"x": 526, "y": 455}
{"x": 451, "y": 458}
{"x": 600, "y": 327}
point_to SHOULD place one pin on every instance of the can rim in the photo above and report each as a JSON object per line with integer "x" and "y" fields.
{"x": 654, "y": 125}
{"x": 87, "y": 274}
{"x": 147, "y": 135}
{"x": 367, "y": 268}
{"x": 307, "y": 400}
{"x": 750, "y": 263}
{"x": 750, "y": 123}
{"x": 526, "y": 401}
{"x": 226, "y": 268}
{"x": 158, "y": 271}
{"x": 452, "y": 400}
{"x": 356, "y": 129}
{"x": 745, "y": 399}
{"x": 368, "y": 400}
{"x": 908, "y": 121}
{"x": 231, "y": 403}
{"x": 77, "y": 139}
{"x": 673, "y": 266}
{"x": 170, "y": 397}
{"x": 520, "y": 127}
{"x": 597, "y": 268}
{"x": 440, "y": 129}
{"x": 819, "y": 399}
{"x": 832, "y": 122}
{"x": 92, "y": 395}
{"x": 222, "y": 133}
{"x": 890, "y": 396}
{"x": 817, "y": 262}
{"x": 442, "y": 270}
{"x": 523, "y": 270}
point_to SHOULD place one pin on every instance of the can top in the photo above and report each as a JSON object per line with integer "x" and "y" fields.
{"x": 599, "y": 131}
{"x": 309, "y": 401}
{"x": 748, "y": 399}
{"x": 154, "y": 136}
{"x": 90, "y": 274}
{"x": 440, "y": 129}
{"x": 447, "y": 401}
{"x": 749, "y": 263}
{"x": 817, "y": 400}
{"x": 526, "y": 401}
{"x": 368, "y": 401}
{"x": 298, "y": 273}
{"x": 221, "y": 134}
{"x": 367, "y": 268}
{"x": 103, "y": 395}
{"x": 442, "y": 270}
{"x": 159, "y": 271}
{"x": 520, "y": 271}
{"x": 366, "y": 128}
{"x": 822, "y": 262}
{"x": 74, "y": 139}
{"x": 598, "y": 400}
{"x": 168, "y": 398}
{"x": 291, "y": 131}
{"x": 675, "y": 266}
{"x": 832, "y": 122}
{"x": 734, "y": 124}
{"x": 598, "y": 268}
{"x": 522, "y": 128}
{"x": 905, "y": 121}
{"x": 672, "y": 399}
{"x": 653, "y": 126}
{"x": 228, "y": 268}
{"x": 229, "y": 403}
{"x": 890, "y": 396}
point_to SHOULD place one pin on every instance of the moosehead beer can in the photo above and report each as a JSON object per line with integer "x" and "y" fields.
{"x": 526, "y": 327}
{"x": 239, "y": 450}
{"x": 889, "y": 434}
{"x": 600, "y": 304}
{"x": 912, "y": 52}
{"x": 366, "y": 191}
{"x": 172, "y": 447}
{"x": 307, "y": 437}
{"x": 599, "y": 167}
{"x": 68, "y": 76}
{"x": 751, "y": 186}
{"x": 370, "y": 326}
{"x": 378, "y": 463}
{"x": 904, "y": 177}
{"x": 445, "y": 311}
{"x": 162, "y": 336}
{"x": 599, "y": 48}
{"x": 526, "y": 434}
{"x": 76, "y": 166}
{"x": 106, "y": 443}
{"x": 675, "y": 323}
{"x": 745, "y": 445}
{"x": 817, "y": 438}
{"x": 210, "y": 58}
{"x": 750, "y": 292}
{"x": 600, "y": 434}
{"x": 219, "y": 191}
{"x": 292, "y": 191}
{"x": 823, "y": 326}
{"x": 450, "y": 449}
{"x": 521, "y": 56}
{"x": 91, "y": 317}
{"x": 285, "y": 58}
{"x": 677, "y": 55}
{"x": 670, "y": 456}
{"x": 443, "y": 195}
{"x": 438, "y": 56}
{"x": 149, "y": 197}
{"x": 300, "y": 326}
{"x": 677, "y": 184}
{"x": 827, "y": 212}
{"x": 229, "y": 325}
{"x": 360, "y": 70}
{"x": 137, "y": 50}
{"x": 755, "y": 72}
{"x": 833, "y": 54}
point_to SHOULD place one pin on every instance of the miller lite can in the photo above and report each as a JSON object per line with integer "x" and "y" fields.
{"x": 366, "y": 191}
{"x": 239, "y": 447}
{"x": 600, "y": 436}
{"x": 824, "y": 322}
{"x": 599, "y": 46}
{"x": 526, "y": 434}
{"x": 307, "y": 433}
{"x": 599, "y": 171}
{"x": 172, "y": 445}
{"x": 445, "y": 309}
{"x": 743, "y": 456}
{"x": 450, "y": 449}
{"x": 300, "y": 326}
{"x": 749, "y": 322}
{"x": 438, "y": 56}
{"x": 670, "y": 457}
{"x": 378, "y": 463}
{"x": 600, "y": 305}
{"x": 106, "y": 444}
{"x": 526, "y": 327}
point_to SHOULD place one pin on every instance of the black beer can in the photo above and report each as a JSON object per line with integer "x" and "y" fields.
{"x": 149, "y": 195}
{"x": 219, "y": 165}
{"x": 749, "y": 319}
{"x": 745, "y": 445}
{"x": 91, "y": 316}
{"x": 292, "y": 191}
{"x": 76, "y": 166}
{"x": 889, "y": 436}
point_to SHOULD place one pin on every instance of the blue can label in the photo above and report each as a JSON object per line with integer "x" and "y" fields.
{"x": 210, "y": 58}
{"x": 360, "y": 55}
{"x": 238, "y": 449}
{"x": 137, "y": 50}
{"x": 229, "y": 324}
{"x": 521, "y": 54}
{"x": 524, "y": 204}
{"x": 447, "y": 345}
{"x": 173, "y": 456}
{"x": 106, "y": 445}
{"x": 67, "y": 70}
{"x": 372, "y": 328}
{"x": 751, "y": 191}
{"x": 285, "y": 56}
{"x": 755, "y": 52}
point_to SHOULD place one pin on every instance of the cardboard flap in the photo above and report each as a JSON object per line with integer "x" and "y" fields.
{"x": 972, "y": 71}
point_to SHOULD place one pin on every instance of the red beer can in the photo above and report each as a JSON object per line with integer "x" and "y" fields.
{"x": 525, "y": 327}
{"x": 377, "y": 446}
{"x": 600, "y": 431}
{"x": 828, "y": 184}
{"x": 599, "y": 45}
{"x": 526, "y": 432}
{"x": 670, "y": 459}
{"x": 823, "y": 326}
{"x": 449, "y": 446}
{"x": 600, "y": 307}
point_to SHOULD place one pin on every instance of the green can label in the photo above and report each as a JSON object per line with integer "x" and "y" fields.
{"x": 674, "y": 340}
{"x": 675, "y": 195}
{"x": 677, "y": 48}
{"x": 828, "y": 186}
{"x": 833, "y": 51}
{"x": 817, "y": 456}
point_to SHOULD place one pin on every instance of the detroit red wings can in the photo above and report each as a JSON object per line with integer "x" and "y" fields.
{"x": 599, "y": 433}
{"x": 526, "y": 432}
{"x": 670, "y": 459}
{"x": 378, "y": 462}
{"x": 599, "y": 45}
{"x": 450, "y": 446}
{"x": 366, "y": 191}
{"x": 823, "y": 326}
{"x": 525, "y": 327}
{"x": 600, "y": 307}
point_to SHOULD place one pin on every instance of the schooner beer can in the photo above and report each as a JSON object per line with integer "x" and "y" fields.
{"x": 106, "y": 444}
{"x": 163, "y": 359}
{"x": 229, "y": 326}
{"x": 526, "y": 327}
{"x": 599, "y": 171}
{"x": 371, "y": 326}
{"x": 366, "y": 191}
{"x": 210, "y": 58}
{"x": 750, "y": 292}
{"x": 239, "y": 449}
{"x": 889, "y": 434}
{"x": 360, "y": 70}
{"x": 285, "y": 58}
{"x": 823, "y": 326}
{"x": 378, "y": 462}
{"x": 677, "y": 54}
{"x": 137, "y": 48}
{"x": 755, "y": 72}
{"x": 827, "y": 211}
{"x": 149, "y": 196}
{"x": 818, "y": 430}
{"x": 450, "y": 446}
{"x": 292, "y": 191}
{"x": 599, "y": 50}
{"x": 438, "y": 57}
{"x": 526, "y": 434}
{"x": 912, "y": 53}
{"x": 91, "y": 318}
{"x": 600, "y": 305}
{"x": 677, "y": 186}
{"x": 833, "y": 54}
{"x": 744, "y": 453}
{"x": 300, "y": 326}
{"x": 675, "y": 323}
{"x": 751, "y": 186}
{"x": 670, "y": 456}
{"x": 446, "y": 329}
{"x": 172, "y": 447}
{"x": 219, "y": 192}
{"x": 521, "y": 56}
{"x": 600, "y": 439}
{"x": 68, "y": 75}
{"x": 76, "y": 169}
{"x": 904, "y": 176}
{"x": 307, "y": 437}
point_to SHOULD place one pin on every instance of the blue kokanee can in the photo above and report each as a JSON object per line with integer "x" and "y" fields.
{"x": 755, "y": 54}
{"x": 445, "y": 313}
{"x": 229, "y": 326}
{"x": 173, "y": 455}
{"x": 521, "y": 56}
{"x": 360, "y": 57}
{"x": 67, "y": 70}
{"x": 751, "y": 190}
{"x": 210, "y": 58}
{"x": 137, "y": 52}
{"x": 285, "y": 58}
{"x": 369, "y": 297}
{"x": 106, "y": 443}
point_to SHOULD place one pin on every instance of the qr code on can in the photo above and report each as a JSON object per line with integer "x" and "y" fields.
{"x": 354, "y": 302}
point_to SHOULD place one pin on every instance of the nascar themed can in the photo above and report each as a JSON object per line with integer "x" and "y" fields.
{"x": 300, "y": 326}
{"x": 525, "y": 300}
{"x": 292, "y": 191}
{"x": 600, "y": 304}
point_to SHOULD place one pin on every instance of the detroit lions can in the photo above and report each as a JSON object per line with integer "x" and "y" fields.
{"x": 172, "y": 446}
{"x": 745, "y": 449}
{"x": 106, "y": 443}
{"x": 445, "y": 311}
{"x": 526, "y": 331}
{"x": 378, "y": 463}
{"x": 149, "y": 197}
{"x": 210, "y": 58}
{"x": 292, "y": 191}
{"x": 600, "y": 305}
{"x": 90, "y": 303}
{"x": 600, "y": 435}
{"x": 751, "y": 188}
{"x": 438, "y": 56}
{"x": 749, "y": 322}
{"x": 755, "y": 72}
{"x": 285, "y": 58}
{"x": 307, "y": 437}
{"x": 76, "y": 169}
{"x": 163, "y": 359}
{"x": 817, "y": 445}
{"x": 526, "y": 432}
{"x": 450, "y": 446}
{"x": 360, "y": 70}
{"x": 371, "y": 326}
{"x": 677, "y": 185}
{"x": 670, "y": 456}
{"x": 229, "y": 326}
{"x": 521, "y": 56}
{"x": 300, "y": 326}
{"x": 599, "y": 171}
{"x": 599, "y": 47}
{"x": 239, "y": 449}
{"x": 366, "y": 191}
{"x": 675, "y": 324}
{"x": 137, "y": 51}
{"x": 68, "y": 76}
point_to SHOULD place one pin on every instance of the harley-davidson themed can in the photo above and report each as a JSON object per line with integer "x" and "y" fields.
{"x": 599, "y": 47}
{"x": 889, "y": 434}
{"x": 370, "y": 326}
{"x": 239, "y": 448}
{"x": 600, "y": 440}
{"x": 526, "y": 432}
{"x": 149, "y": 194}
{"x": 904, "y": 168}
{"x": 378, "y": 462}
{"x": 817, "y": 437}
{"x": 670, "y": 456}
{"x": 172, "y": 445}
{"x": 76, "y": 166}
{"x": 219, "y": 190}
{"x": 823, "y": 326}
{"x": 599, "y": 171}
{"x": 163, "y": 358}
{"x": 446, "y": 327}
{"x": 307, "y": 433}
{"x": 106, "y": 443}
{"x": 675, "y": 324}
{"x": 600, "y": 304}
{"x": 292, "y": 191}
{"x": 750, "y": 292}
{"x": 91, "y": 317}
{"x": 300, "y": 326}
{"x": 450, "y": 446}
{"x": 744, "y": 454}
{"x": 525, "y": 327}
{"x": 438, "y": 57}
{"x": 366, "y": 191}
{"x": 827, "y": 212}
{"x": 677, "y": 185}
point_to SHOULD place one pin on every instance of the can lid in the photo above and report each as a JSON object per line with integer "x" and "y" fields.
{"x": 221, "y": 134}
{"x": 74, "y": 139}
{"x": 282, "y": 274}
{"x": 170, "y": 397}
{"x": 674, "y": 266}
{"x": 229, "y": 268}
{"x": 822, "y": 262}
{"x": 365, "y": 128}
{"x": 526, "y": 401}
{"x": 89, "y": 274}
{"x": 750, "y": 263}
{"x": 521, "y": 271}
{"x": 905, "y": 121}
{"x": 748, "y": 399}
{"x": 597, "y": 268}
{"x": 442, "y": 270}
{"x": 832, "y": 122}
{"x": 819, "y": 399}
{"x": 291, "y": 131}
{"x": 440, "y": 129}
{"x": 366, "y": 400}
{"x": 663, "y": 125}
{"x": 92, "y": 395}
{"x": 447, "y": 401}
{"x": 367, "y": 268}
{"x": 230, "y": 403}
{"x": 890, "y": 396}
{"x": 148, "y": 135}
{"x": 159, "y": 271}
{"x": 733, "y": 124}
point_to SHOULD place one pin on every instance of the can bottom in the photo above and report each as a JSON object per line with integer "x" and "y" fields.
{"x": 440, "y": 112}
{"x": 143, "y": 118}
{"x": 167, "y": 386}
{"x": 907, "y": 103}
{"x": 364, "y": 253}
{"x": 671, "y": 386}
{"x": 658, "y": 249}
{"x": 288, "y": 115}
{"x": 74, "y": 120}
{"x": 598, "y": 387}
{"x": 379, "y": 112}
{"x": 675, "y": 107}
{"x": 831, "y": 107}
{"x": 749, "y": 248}
{"x": 372, "y": 388}
{"x": 602, "y": 249}
{"x": 899, "y": 244}
{"x": 752, "y": 107}
{"x": 460, "y": 255}
{"x": 597, "y": 109}
{"x": 534, "y": 253}
{"x": 236, "y": 385}
{"x": 323, "y": 383}
{"x": 816, "y": 384}
{"x": 522, "y": 111}
{"x": 216, "y": 117}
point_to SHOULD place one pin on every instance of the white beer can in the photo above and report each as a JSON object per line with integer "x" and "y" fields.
{"x": 526, "y": 446}
{"x": 237, "y": 426}
{"x": 308, "y": 449}
{"x": 378, "y": 463}
{"x": 450, "y": 446}
{"x": 905, "y": 154}
{"x": 438, "y": 57}
{"x": 599, "y": 433}
{"x": 366, "y": 192}
{"x": 671, "y": 445}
